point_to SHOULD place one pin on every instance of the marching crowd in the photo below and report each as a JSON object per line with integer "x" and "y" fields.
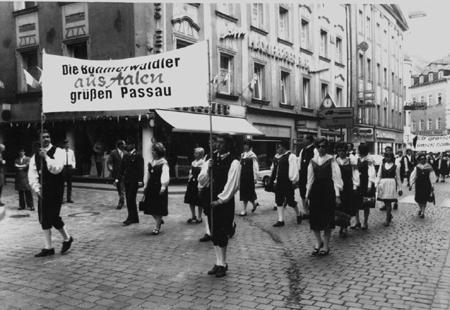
{"x": 335, "y": 183}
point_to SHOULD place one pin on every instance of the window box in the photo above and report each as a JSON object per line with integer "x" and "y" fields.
{"x": 308, "y": 110}
{"x": 286, "y": 106}
{"x": 306, "y": 51}
{"x": 323, "y": 58}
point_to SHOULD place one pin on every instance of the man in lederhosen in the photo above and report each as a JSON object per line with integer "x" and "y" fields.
{"x": 304, "y": 157}
{"x": 226, "y": 174}
{"x": 46, "y": 180}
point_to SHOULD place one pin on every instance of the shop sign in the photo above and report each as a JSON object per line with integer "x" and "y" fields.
{"x": 415, "y": 106}
{"x": 336, "y": 118}
{"x": 363, "y": 133}
{"x": 386, "y": 135}
{"x": 176, "y": 78}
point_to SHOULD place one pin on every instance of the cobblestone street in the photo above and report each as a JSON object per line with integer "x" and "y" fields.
{"x": 405, "y": 266}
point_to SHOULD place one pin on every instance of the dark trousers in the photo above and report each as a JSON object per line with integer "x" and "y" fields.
{"x": 25, "y": 197}
{"x": 130, "y": 194}
{"x": 48, "y": 210}
{"x": 221, "y": 223}
{"x": 121, "y": 191}
{"x": 67, "y": 174}
{"x": 285, "y": 195}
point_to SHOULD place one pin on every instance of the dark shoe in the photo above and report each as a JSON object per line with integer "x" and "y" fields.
{"x": 233, "y": 230}
{"x": 324, "y": 253}
{"x": 162, "y": 221}
{"x": 213, "y": 270}
{"x": 1, "y": 204}
{"x": 299, "y": 219}
{"x": 243, "y": 214}
{"x": 419, "y": 213}
{"x": 128, "y": 222}
{"x": 191, "y": 220}
{"x": 21, "y": 208}
{"x": 119, "y": 207}
{"x": 305, "y": 216}
{"x": 31, "y": 209}
{"x": 155, "y": 232}
{"x": 365, "y": 227}
{"x": 422, "y": 215}
{"x": 396, "y": 206}
{"x": 356, "y": 226}
{"x": 205, "y": 238}
{"x": 197, "y": 221}
{"x": 255, "y": 206}
{"x": 274, "y": 208}
{"x": 70, "y": 201}
{"x": 45, "y": 252}
{"x": 383, "y": 208}
{"x": 278, "y": 224}
{"x": 66, "y": 245}
{"x": 221, "y": 272}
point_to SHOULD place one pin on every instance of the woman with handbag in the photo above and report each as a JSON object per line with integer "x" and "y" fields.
{"x": 323, "y": 190}
{"x": 191, "y": 196}
{"x": 155, "y": 198}
{"x": 423, "y": 176}
{"x": 365, "y": 184}
{"x": 347, "y": 209}
{"x": 388, "y": 185}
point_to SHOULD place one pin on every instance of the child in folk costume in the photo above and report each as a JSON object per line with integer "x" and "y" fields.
{"x": 365, "y": 191}
{"x": 422, "y": 177}
{"x": 388, "y": 185}
{"x": 323, "y": 192}
{"x": 191, "y": 196}
{"x": 155, "y": 193}
{"x": 249, "y": 175}
{"x": 350, "y": 179}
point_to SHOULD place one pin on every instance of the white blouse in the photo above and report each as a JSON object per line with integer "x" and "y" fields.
{"x": 372, "y": 174}
{"x": 355, "y": 173}
{"x": 165, "y": 175}
{"x": 253, "y": 156}
{"x": 412, "y": 178}
{"x": 336, "y": 174}
{"x": 55, "y": 166}
{"x": 388, "y": 166}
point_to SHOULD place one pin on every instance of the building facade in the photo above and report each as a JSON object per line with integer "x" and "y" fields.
{"x": 376, "y": 39}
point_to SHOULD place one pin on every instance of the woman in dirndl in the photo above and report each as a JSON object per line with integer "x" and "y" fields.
{"x": 388, "y": 185}
{"x": 155, "y": 193}
{"x": 323, "y": 190}
{"x": 422, "y": 177}
{"x": 349, "y": 175}
{"x": 191, "y": 196}
{"x": 249, "y": 174}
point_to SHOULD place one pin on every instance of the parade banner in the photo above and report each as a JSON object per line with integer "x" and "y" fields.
{"x": 177, "y": 78}
{"x": 433, "y": 143}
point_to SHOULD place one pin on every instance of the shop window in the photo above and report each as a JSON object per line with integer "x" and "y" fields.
{"x": 323, "y": 91}
{"x": 258, "y": 77}
{"x": 339, "y": 97}
{"x": 77, "y": 50}
{"x": 284, "y": 23}
{"x": 338, "y": 49}
{"x": 181, "y": 43}
{"x": 323, "y": 43}
{"x": 29, "y": 62}
{"x": 306, "y": 92}
{"x": 305, "y": 41}
{"x": 421, "y": 79}
{"x": 226, "y": 74}
{"x": 258, "y": 15}
{"x": 430, "y": 77}
{"x": 284, "y": 88}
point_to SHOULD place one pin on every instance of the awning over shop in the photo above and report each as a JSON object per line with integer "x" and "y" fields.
{"x": 191, "y": 122}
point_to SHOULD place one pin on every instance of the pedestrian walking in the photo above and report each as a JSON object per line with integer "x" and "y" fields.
{"x": 226, "y": 171}
{"x": 349, "y": 179}
{"x": 442, "y": 167}
{"x": 132, "y": 172}
{"x": 422, "y": 178}
{"x": 408, "y": 164}
{"x": 365, "y": 193}
{"x": 46, "y": 180}
{"x": 69, "y": 167}
{"x": 249, "y": 176}
{"x": 323, "y": 191}
{"x": 388, "y": 185}
{"x": 114, "y": 163}
{"x": 285, "y": 171}
{"x": 156, "y": 193}
{"x": 2, "y": 172}
{"x": 22, "y": 185}
{"x": 192, "y": 196}
{"x": 304, "y": 157}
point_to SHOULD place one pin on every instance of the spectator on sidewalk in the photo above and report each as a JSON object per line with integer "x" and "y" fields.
{"x": 44, "y": 175}
{"x": 2, "y": 172}
{"x": 191, "y": 196}
{"x": 422, "y": 177}
{"x": 69, "y": 167}
{"x": 115, "y": 162}
{"x": 156, "y": 192}
{"x": 132, "y": 173}
{"x": 249, "y": 175}
{"x": 22, "y": 185}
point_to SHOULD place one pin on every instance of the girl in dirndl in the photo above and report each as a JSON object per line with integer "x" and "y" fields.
{"x": 388, "y": 185}
{"x": 422, "y": 177}
{"x": 249, "y": 175}
{"x": 191, "y": 196}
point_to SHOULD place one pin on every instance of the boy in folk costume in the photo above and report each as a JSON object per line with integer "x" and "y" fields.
{"x": 226, "y": 174}
{"x": 249, "y": 175}
{"x": 46, "y": 180}
{"x": 285, "y": 175}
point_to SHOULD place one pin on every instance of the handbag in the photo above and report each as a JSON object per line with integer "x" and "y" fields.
{"x": 142, "y": 203}
{"x": 341, "y": 219}
{"x": 368, "y": 202}
{"x": 432, "y": 198}
{"x": 269, "y": 187}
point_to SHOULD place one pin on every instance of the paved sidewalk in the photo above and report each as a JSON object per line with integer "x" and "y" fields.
{"x": 405, "y": 266}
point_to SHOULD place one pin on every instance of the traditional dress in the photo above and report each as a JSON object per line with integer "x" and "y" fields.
{"x": 249, "y": 174}
{"x": 192, "y": 193}
{"x": 49, "y": 169}
{"x": 285, "y": 173}
{"x": 226, "y": 172}
{"x": 366, "y": 183}
{"x": 324, "y": 185}
{"x": 304, "y": 157}
{"x": 388, "y": 182}
{"x": 155, "y": 202}
{"x": 422, "y": 176}
{"x": 350, "y": 180}
{"x": 22, "y": 185}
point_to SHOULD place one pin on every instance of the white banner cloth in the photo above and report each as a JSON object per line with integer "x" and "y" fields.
{"x": 433, "y": 143}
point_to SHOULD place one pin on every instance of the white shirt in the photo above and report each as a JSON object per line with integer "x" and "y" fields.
{"x": 55, "y": 166}
{"x": 300, "y": 155}
{"x": 355, "y": 173}
{"x": 252, "y": 155}
{"x": 293, "y": 168}
{"x": 388, "y": 166}
{"x": 336, "y": 174}
{"x": 165, "y": 174}
{"x": 195, "y": 164}
{"x": 372, "y": 174}
{"x": 69, "y": 158}
{"x": 413, "y": 176}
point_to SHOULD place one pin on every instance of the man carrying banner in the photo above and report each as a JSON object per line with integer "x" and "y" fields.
{"x": 46, "y": 180}
{"x": 226, "y": 171}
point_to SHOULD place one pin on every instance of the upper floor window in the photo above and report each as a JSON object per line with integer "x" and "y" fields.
{"x": 284, "y": 88}
{"x": 414, "y": 99}
{"x": 430, "y": 99}
{"x": 339, "y": 97}
{"x": 385, "y": 77}
{"x": 29, "y": 63}
{"x": 323, "y": 91}
{"x": 369, "y": 70}
{"x": 181, "y": 43}
{"x": 284, "y": 23}
{"x": 439, "y": 123}
{"x": 430, "y": 77}
{"x": 306, "y": 92}
{"x": 78, "y": 50}
{"x": 305, "y": 41}
{"x": 421, "y": 124}
{"x": 368, "y": 28}
{"x": 21, "y": 5}
{"x": 360, "y": 21}
{"x": 339, "y": 49}
{"x": 258, "y": 77}
{"x": 430, "y": 124}
{"x": 226, "y": 7}
{"x": 226, "y": 74}
{"x": 323, "y": 43}
{"x": 258, "y": 15}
